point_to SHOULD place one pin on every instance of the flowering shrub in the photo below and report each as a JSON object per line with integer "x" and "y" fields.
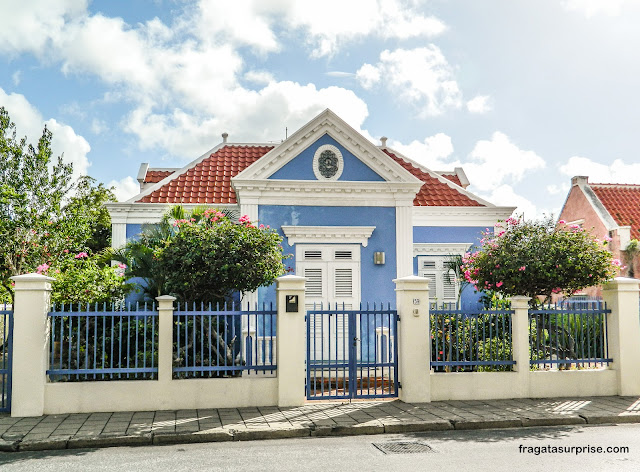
{"x": 204, "y": 255}
{"x": 538, "y": 258}
{"x": 81, "y": 278}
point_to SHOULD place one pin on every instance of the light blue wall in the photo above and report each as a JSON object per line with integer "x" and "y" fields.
{"x": 450, "y": 234}
{"x": 376, "y": 280}
{"x": 133, "y": 230}
{"x": 301, "y": 166}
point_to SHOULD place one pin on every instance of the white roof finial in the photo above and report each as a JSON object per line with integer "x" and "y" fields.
{"x": 383, "y": 141}
{"x": 224, "y": 137}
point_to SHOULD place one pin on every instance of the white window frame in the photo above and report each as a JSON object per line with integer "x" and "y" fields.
{"x": 438, "y": 253}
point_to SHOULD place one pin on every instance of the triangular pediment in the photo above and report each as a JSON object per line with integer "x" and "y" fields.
{"x": 327, "y": 126}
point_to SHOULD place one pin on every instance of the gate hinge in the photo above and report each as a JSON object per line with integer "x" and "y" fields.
{"x": 398, "y": 317}
{"x": 399, "y": 384}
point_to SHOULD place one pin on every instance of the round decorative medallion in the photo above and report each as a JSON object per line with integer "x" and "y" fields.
{"x": 327, "y": 163}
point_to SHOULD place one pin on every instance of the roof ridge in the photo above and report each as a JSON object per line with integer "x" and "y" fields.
{"x": 614, "y": 185}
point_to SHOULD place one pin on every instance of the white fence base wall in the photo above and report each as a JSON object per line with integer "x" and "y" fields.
{"x": 573, "y": 383}
{"x": 152, "y": 395}
{"x": 504, "y": 385}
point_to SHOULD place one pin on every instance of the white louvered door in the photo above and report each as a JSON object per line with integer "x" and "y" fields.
{"x": 333, "y": 278}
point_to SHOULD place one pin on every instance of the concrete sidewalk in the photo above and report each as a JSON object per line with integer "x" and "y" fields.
{"x": 314, "y": 419}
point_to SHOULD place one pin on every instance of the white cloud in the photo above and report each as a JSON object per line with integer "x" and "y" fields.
{"x": 16, "y": 77}
{"x": 339, "y": 73}
{"x": 332, "y": 23}
{"x": 431, "y": 153}
{"x": 617, "y": 172}
{"x": 505, "y": 195}
{"x": 125, "y": 189}
{"x": 480, "y": 104}
{"x": 98, "y": 126}
{"x": 590, "y": 8}
{"x": 421, "y": 77}
{"x": 500, "y": 161}
{"x": 30, "y": 25}
{"x": 30, "y": 122}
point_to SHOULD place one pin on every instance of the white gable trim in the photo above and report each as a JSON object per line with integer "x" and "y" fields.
{"x": 442, "y": 179}
{"x": 325, "y": 193}
{"x": 460, "y": 216}
{"x": 328, "y": 234}
{"x": 440, "y": 249}
{"x": 598, "y": 207}
{"x": 329, "y": 123}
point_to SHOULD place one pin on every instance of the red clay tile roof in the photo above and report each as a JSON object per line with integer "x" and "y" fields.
{"x": 434, "y": 192}
{"x": 453, "y": 178}
{"x": 623, "y": 204}
{"x": 210, "y": 180}
{"x": 155, "y": 176}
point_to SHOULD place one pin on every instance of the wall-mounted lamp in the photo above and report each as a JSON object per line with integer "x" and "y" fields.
{"x": 378, "y": 258}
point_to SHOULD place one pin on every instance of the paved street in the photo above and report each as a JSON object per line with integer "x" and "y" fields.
{"x": 314, "y": 419}
{"x": 471, "y": 450}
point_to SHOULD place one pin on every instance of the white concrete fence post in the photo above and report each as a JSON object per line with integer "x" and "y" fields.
{"x": 414, "y": 339}
{"x": 623, "y": 326}
{"x": 291, "y": 349}
{"x": 520, "y": 343}
{"x": 165, "y": 337}
{"x": 32, "y": 303}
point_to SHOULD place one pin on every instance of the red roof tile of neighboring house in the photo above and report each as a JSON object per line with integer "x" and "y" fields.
{"x": 453, "y": 178}
{"x": 210, "y": 180}
{"x": 155, "y": 176}
{"x": 623, "y": 204}
{"x": 434, "y": 192}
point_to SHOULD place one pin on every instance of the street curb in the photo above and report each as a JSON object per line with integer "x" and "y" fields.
{"x": 611, "y": 419}
{"x": 258, "y": 434}
{"x": 110, "y": 441}
{"x": 487, "y": 424}
{"x": 299, "y": 432}
{"x": 418, "y": 427}
{"x": 555, "y": 421}
{"x": 186, "y": 438}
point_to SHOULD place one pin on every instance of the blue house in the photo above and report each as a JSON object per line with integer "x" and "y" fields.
{"x": 353, "y": 215}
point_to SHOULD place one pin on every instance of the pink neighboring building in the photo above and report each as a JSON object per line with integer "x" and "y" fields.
{"x": 606, "y": 210}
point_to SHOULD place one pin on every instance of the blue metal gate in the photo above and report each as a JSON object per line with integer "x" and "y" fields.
{"x": 6, "y": 344}
{"x": 352, "y": 353}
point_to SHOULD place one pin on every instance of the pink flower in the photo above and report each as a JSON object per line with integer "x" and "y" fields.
{"x": 42, "y": 268}
{"x": 616, "y": 262}
{"x": 81, "y": 255}
{"x": 608, "y": 238}
{"x": 522, "y": 269}
{"x": 562, "y": 222}
{"x": 244, "y": 219}
{"x": 122, "y": 266}
{"x": 499, "y": 284}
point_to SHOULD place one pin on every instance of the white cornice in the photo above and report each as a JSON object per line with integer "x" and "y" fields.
{"x": 599, "y": 208}
{"x": 329, "y": 123}
{"x": 439, "y": 249}
{"x": 325, "y": 193}
{"x": 328, "y": 234}
{"x": 140, "y": 213}
{"x": 460, "y": 216}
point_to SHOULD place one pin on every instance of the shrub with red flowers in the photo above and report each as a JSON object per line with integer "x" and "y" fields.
{"x": 82, "y": 278}
{"x": 538, "y": 258}
{"x": 205, "y": 255}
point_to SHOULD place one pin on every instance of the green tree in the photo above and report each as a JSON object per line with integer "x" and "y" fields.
{"x": 539, "y": 258}
{"x": 44, "y": 214}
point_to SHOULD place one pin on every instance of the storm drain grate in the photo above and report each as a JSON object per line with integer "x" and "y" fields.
{"x": 403, "y": 447}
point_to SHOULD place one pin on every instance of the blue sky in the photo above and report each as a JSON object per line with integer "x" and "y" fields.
{"x": 522, "y": 94}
